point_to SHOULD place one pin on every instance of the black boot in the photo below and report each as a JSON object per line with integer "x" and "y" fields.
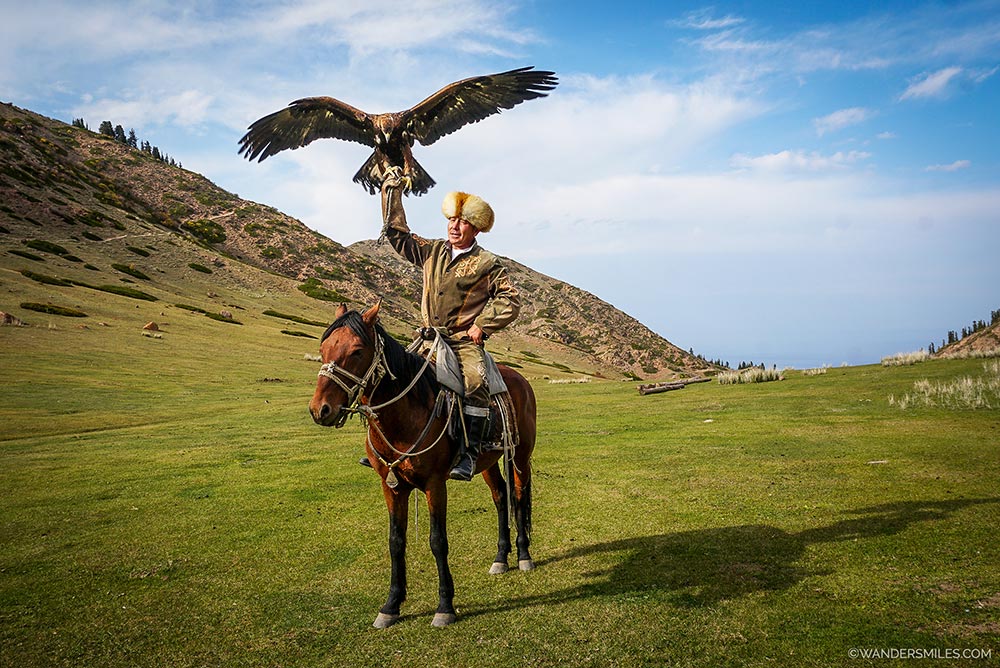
{"x": 364, "y": 462}
{"x": 476, "y": 429}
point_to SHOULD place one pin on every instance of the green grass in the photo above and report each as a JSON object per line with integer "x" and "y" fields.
{"x": 165, "y": 502}
{"x": 162, "y": 505}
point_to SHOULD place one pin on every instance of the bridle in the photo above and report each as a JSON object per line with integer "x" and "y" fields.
{"x": 376, "y": 371}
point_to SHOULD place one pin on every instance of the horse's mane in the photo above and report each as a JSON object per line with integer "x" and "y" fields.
{"x": 403, "y": 365}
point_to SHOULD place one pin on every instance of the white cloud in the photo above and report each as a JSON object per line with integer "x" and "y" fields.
{"x": 841, "y": 119}
{"x": 931, "y": 85}
{"x": 146, "y": 109}
{"x": 798, "y": 161}
{"x": 704, "y": 19}
{"x": 886, "y": 135}
{"x": 953, "y": 167}
{"x": 979, "y": 76}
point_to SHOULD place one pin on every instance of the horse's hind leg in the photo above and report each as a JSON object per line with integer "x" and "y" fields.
{"x": 498, "y": 488}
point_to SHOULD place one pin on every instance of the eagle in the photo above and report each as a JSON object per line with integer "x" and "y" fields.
{"x": 392, "y": 135}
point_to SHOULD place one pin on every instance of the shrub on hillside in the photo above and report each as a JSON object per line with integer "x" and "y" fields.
{"x": 965, "y": 393}
{"x": 47, "y": 280}
{"x": 972, "y": 354}
{"x": 53, "y": 309}
{"x": 315, "y": 289}
{"x": 200, "y": 267}
{"x": 131, "y": 270}
{"x": 294, "y": 318}
{"x": 26, "y": 255}
{"x": 206, "y": 230}
{"x": 906, "y": 359}
{"x": 751, "y": 375}
{"x": 46, "y": 247}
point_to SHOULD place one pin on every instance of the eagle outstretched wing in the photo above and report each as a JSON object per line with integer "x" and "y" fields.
{"x": 391, "y": 135}
{"x": 304, "y": 121}
{"x": 473, "y": 99}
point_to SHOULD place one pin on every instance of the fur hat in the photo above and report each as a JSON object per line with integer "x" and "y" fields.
{"x": 469, "y": 207}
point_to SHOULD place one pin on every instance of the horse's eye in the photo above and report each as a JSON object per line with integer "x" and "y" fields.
{"x": 356, "y": 354}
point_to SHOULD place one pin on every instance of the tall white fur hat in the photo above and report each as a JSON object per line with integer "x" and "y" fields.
{"x": 469, "y": 207}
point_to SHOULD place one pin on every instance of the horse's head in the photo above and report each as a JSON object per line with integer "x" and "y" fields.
{"x": 350, "y": 361}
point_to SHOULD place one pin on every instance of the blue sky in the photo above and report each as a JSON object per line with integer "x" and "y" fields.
{"x": 794, "y": 183}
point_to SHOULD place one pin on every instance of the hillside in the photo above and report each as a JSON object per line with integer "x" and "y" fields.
{"x": 78, "y": 208}
{"x": 977, "y": 343}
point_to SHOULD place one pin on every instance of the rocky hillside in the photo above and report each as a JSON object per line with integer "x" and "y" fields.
{"x": 977, "y": 343}
{"x": 94, "y": 197}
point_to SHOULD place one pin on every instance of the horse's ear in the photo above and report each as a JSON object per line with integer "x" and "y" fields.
{"x": 341, "y": 310}
{"x": 371, "y": 315}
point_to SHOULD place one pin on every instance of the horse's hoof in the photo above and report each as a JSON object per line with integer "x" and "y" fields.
{"x": 499, "y": 568}
{"x": 526, "y": 564}
{"x": 443, "y": 619}
{"x": 384, "y": 621}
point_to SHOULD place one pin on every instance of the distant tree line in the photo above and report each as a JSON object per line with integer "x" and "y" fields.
{"x": 718, "y": 362}
{"x": 976, "y": 326}
{"x": 117, "y": 132}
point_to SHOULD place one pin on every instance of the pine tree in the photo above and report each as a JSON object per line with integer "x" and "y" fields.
{"x": 107, "y": 129}
{"x": 120, "y": 134}
{"x": 132, "y": 140}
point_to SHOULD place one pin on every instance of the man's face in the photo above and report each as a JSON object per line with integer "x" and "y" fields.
{"x": 461, "y": 233}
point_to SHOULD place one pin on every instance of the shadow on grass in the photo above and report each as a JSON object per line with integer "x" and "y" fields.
{"x": 704, "y": 567}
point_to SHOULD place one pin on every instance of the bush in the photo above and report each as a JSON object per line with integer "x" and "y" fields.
{"x": 751, "y": 375}
{"x": 206, "y": 230}
{"x": 200, "y": 267}
{"x": 966, "y": 393}
{"x": 26, "y": 255}
{"x": 315, "y": 289}
{"x": 906, "y": 359}
{"x": 53, "y": 309}
{"x": 291, "y": 332}
{"x": 46, "y": 247}
{"x": 48, "y": 280}
{"x": 138, "y": 251}
{"x": 971, "y": 354}
{"x": 121, "y": 290}
{"x": 294, "y": 318}
{"x": 222, "y": 318}
{"x": 130, "y": 270}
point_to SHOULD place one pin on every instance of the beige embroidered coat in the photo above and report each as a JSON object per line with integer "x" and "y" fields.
{"x": 474, "y": 288}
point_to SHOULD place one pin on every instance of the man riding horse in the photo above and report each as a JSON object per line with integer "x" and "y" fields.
{"x": 467, "y": 293}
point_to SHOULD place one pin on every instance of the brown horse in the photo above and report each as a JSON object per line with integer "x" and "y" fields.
{"x": 368, "y": 372}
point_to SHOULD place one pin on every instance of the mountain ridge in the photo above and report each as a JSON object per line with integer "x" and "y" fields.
{"x": 100, "y": 199}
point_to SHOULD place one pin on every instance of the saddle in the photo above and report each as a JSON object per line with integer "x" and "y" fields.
{"x": 503, "y": 425}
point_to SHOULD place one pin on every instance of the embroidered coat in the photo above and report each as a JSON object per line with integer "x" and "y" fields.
{"x": 474, "y": 288}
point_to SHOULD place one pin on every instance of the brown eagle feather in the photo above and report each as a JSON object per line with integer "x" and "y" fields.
{"x": 392, "y": 135}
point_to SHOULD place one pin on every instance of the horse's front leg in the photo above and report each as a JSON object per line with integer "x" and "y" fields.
{"x": 498, "y": 489}
{"x": 437, "y": 506}
{"x": 397, "y": 502}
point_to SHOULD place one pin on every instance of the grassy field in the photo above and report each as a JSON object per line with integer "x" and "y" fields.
{"x": 168, "y": 502}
